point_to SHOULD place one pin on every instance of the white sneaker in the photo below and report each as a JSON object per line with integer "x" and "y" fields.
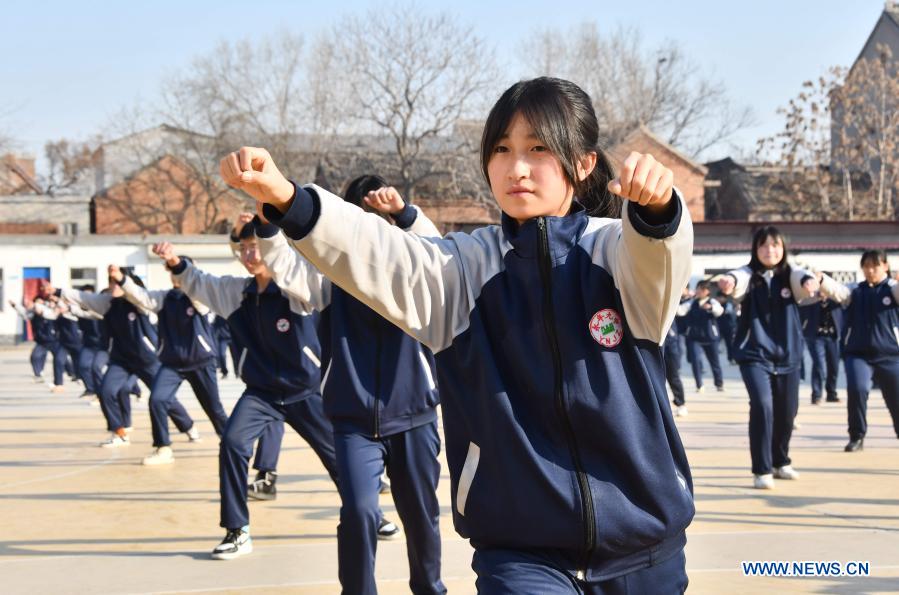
{"x": 237, "y": 542}
{"x": 763, "y": 482}
{"x": 38, "y": 379}
{"x": 786, "y": 472}
{"x": 128, "y": 430}
{"x": 796, "y": 426}
{"x": 680, "y": 411}
{"x": 193, "y": 434}
{"x": 114, "y": 441}
{"x": 700, "y": 389}
{"x": 163, "y": 455}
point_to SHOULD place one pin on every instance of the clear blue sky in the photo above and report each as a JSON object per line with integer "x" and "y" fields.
{"x": 67, "y": 66}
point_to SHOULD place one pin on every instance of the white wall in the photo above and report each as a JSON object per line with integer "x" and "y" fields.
{"x": 60, "y": 259}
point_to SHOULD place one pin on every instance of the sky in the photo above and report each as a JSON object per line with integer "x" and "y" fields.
{"x": 67, "y": 67}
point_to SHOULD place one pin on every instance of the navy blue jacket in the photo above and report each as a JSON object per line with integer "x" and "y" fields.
{"x": 872, "y": 322}
{"x": 44, "y": 330}
{"x": 69, "y": 333}
{"x": 811, "y": 316}
{"x": 379, "y": 380}
{"x": 702, "y": 324}
{"x": 279, "y": 357}
{"x": 132, "y": 337}
{"x": 220, "y": 329}
{"x": 559, "y": 434}
{"x": 185, "y": 335}
{"x": 769, "y": 331}
{"x": 93, "y": 333}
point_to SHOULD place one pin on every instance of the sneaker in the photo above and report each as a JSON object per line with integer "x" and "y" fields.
{"x": 129, "y": 429}
{"x": 680, "y": 411}
{"x": 816, "y": 401}
{"x": 57, "y": 389}
{"x": 385, "y": 484}
{"x": 114, "y": 441}
{"x": 38, "y": 379}
{"x": 785, "y": 472}
{"x": 193, "y": 434}
{"x": 224, "y": 375}
{"x": 763, "y": 482}
{"x": 387, "y": 529}
{"x": 855, "y": 445}
{"x": 87, "y": 395}
{"x": 796, "y": 426}
{"x": 720, "y": 389}
{"x": 163, "y": 455}
{"x": 833, "y": 399}
{"x": 700, "y": 389}
{"x": 263, "y": 487}
{"x": 236, "y": 543}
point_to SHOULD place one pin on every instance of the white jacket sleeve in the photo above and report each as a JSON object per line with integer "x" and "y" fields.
{"x": 145, "y": 299}
{"x": 221, "y": 295}
{"x": 293, "y": 273}
{"x": 95, "y": 302}
{"x": 420, "y": 284}
{"x": 650, "y": 272}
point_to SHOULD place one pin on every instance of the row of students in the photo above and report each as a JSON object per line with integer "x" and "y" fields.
{"x": 567, "y": 471}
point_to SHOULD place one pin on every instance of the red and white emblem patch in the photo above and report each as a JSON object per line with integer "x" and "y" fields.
{"x": 786, "y": 293}
{"x": 132, "y": 316}
{"x": 190, "y": 311}
{"x": 283, "y": 325}
{"x": 606, "y": 328}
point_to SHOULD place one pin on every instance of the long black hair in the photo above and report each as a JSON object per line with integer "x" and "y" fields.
{"x": 762, "y": 235}
{"x": 562, "y": 117}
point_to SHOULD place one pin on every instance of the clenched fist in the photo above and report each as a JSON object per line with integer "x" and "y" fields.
{"x": 643, "y": 180}
{"x": 252, "y": 170}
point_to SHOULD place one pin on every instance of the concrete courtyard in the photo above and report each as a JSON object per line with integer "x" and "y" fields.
{"x": 80, "y": 519}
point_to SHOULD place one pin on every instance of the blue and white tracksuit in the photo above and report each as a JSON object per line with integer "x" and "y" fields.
{"x": 703, "y": 336}
{"x": 132, "y": 351}
{"x": 871, "y": 349}
{"x": 381, "y": 397}
{"x": 46, "y": 340}
{"x": 279, "y": 360}
{"x": 559, "y": 436}
{"x": 822, "y": 325}
{"x": 768, "y": 345}
{"x": 186, "y": 352}
{"x": 91, "y": 364}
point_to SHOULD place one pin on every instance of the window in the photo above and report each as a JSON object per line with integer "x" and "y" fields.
{"x": 83, "y": 276}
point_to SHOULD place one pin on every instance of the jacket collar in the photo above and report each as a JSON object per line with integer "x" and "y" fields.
{"x": 563, "y": 233}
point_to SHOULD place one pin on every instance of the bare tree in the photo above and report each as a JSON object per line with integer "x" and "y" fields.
{"x": 408, "y": 77}
{"x": 632, "y": 85}
{"x": 867, "y": 129}
{"x": 803, "y": 147}
{"x": 71, "y": 165}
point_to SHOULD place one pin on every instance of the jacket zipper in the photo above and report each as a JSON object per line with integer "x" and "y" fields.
{"x": 549, "y": 322}
{"x": 377, "y": 380}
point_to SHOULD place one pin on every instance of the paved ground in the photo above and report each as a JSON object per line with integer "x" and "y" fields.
{"x": 79, "y": 519}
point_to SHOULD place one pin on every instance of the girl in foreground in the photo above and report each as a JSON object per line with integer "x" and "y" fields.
{"x": 567, "y": 472}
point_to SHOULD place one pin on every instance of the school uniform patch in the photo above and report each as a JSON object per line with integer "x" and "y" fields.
{"x": 283, "y": 325}
{"x": 786, "y": 293}
{"x": 606, "y": 328}
{"x": 190, "y": 311}
{"x": 887, "y": 301}
{"x": 132, "y": 316}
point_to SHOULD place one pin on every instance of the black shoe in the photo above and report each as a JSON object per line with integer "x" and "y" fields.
{"x": 224, "y": 374}
{"x": 263, "y": 488}
{"x": 87, "y": 395}
{"x": 816, "y": 401}
{"x": 387, "y": 529}
{"x": 833, "y": 399}
{"x": 720, "y": 388}
{"x": 236, "y": 543}
{"x": 855, "y": 445}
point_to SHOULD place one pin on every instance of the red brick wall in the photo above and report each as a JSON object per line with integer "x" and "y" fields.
{"x": 166, "y": 197}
